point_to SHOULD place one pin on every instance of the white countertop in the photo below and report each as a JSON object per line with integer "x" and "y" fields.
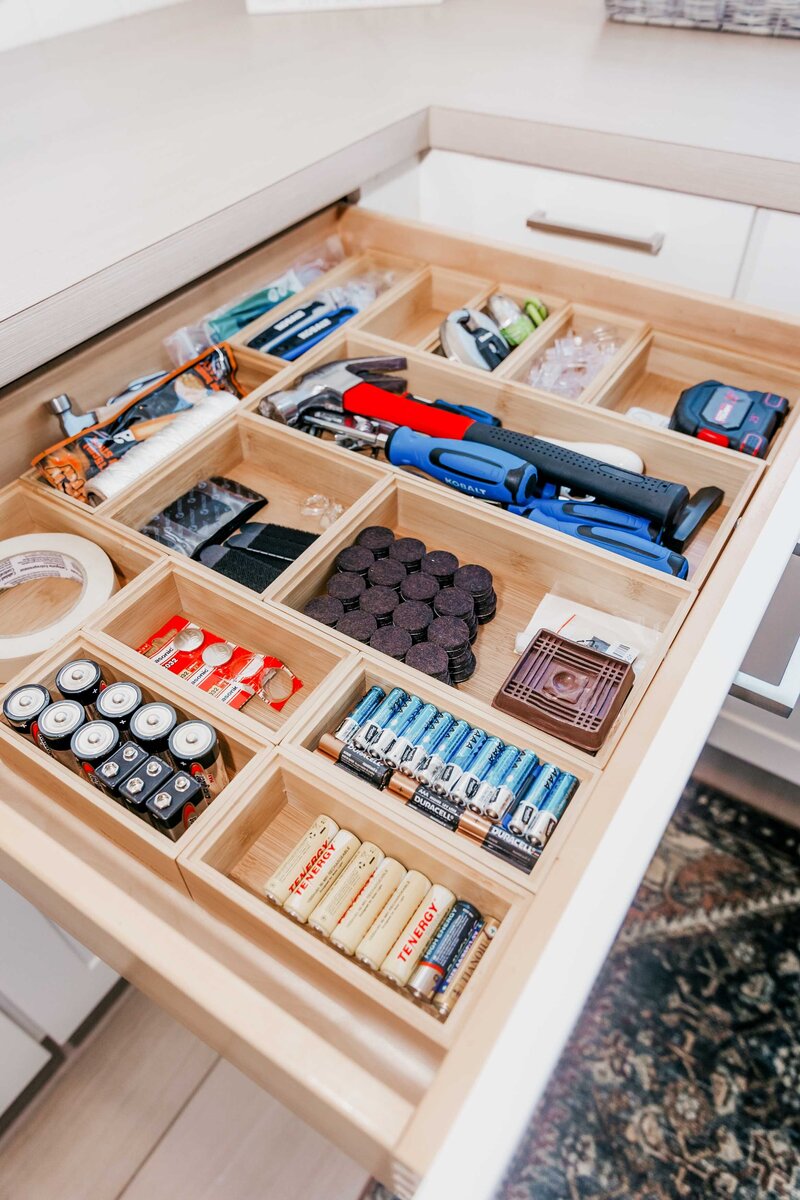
{"x": 118, "y": 137}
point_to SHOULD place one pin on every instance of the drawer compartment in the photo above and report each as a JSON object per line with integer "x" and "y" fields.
{"x": 180, "y": 588}
{"x": 525, "y": 564}
{"x": 100, "y": 812}
{"x": 413, "y": 314}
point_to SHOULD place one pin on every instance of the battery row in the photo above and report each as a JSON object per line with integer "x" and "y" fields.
{"x": 140, "y": 754}
{"x": 415, "y": 933}
{"x": 506, "y": 799}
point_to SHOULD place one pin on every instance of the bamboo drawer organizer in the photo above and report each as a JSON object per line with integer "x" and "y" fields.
{"x": 378, "y": 1073}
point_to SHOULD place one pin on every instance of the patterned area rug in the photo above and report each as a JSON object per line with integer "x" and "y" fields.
{"x": 682, "y": 1076}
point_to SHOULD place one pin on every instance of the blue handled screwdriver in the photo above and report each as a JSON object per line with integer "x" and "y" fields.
{"x": 618, "y": 541}
{"x": 589, "y": 512}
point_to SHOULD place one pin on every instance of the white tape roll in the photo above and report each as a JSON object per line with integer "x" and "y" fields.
{"x": 52, "y": 556}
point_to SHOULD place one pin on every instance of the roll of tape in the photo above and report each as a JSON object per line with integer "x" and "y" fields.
{"x": 52, "y": 556}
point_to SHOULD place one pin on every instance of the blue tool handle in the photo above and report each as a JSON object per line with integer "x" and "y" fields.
{"x": 468, "y": 410}
{"x": 588, "y": 512}
{"x": 481, "y": 471}
{"x": 639, "y": 549}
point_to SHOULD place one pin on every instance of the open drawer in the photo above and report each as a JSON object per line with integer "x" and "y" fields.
{"x": 426, "y": 1104}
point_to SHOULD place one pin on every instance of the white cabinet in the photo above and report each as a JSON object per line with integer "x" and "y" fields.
{"x": 22, "y": 1059}
{"x": 770, "y": 275}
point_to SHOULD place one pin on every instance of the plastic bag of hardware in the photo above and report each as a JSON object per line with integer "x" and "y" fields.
{"x": 70, "y": 464}
{"x": 616, "y": 636}
{"x": 229, "y": 318}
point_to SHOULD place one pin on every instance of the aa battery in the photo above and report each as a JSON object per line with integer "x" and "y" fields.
{"x": 57, "y": 723}
{"x": 91, "y": 745}
{"x": 117, "y": 703}
{"x": 434, "y": 736}
{"x": 454, "y": 935}
{"x": 382, "y": 935}
{"x": 394, "y": 727}
{"x": 551, "y": 809}
{"x": 347, "y": 888}
{"x": 512, "y": 787}
{"x": 367, "y": 907}
{"x": 355, "y": 761}
{"x": 365, "y": 708}
{"x": 411, "y": 733}
{"x": 467, "y": 784}
{"x": 81, "y": 680}
{"x": 194, "y": 747}
{"x": 533, "y": 797}
{"x": 493, "y": 778}
{"x": 152, "y": 725}
{"x": 143, "y": 783}
{"x": 457, "y": 978}
{"x": 429, "y": 772}
{"x": 120, "y": 766}
{"x": 415, "y": 936}
{"x": 176, "y": 805}
{"x": 300, "y": 859}
{"x": 372, "y": 728}
{"x": 460, "y": 762}
{"x": 318, "y": 881}
{"x": 23, "y": 707}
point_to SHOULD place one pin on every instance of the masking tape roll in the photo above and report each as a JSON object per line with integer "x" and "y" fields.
{"x": 52, "y": 556}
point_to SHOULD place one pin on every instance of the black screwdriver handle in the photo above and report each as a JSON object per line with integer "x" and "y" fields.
{"x": 657, "y": 499}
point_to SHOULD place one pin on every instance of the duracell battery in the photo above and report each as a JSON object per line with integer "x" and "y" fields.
{"x": 381, "y": 936}
{"x": 350, "y": 884}
{"x": 416, "y": 935}
{"x": 318, "y": 881}
{"x": 454, "y": 983}
{"x": 355, "y": 761}
{"x": 367, "y": 907}
{"x": 300, "y": 859}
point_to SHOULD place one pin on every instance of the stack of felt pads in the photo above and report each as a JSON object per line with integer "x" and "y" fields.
{"x": 418, "y": 606}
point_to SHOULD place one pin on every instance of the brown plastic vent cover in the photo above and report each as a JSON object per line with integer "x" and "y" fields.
{"x": 566, "y": 689}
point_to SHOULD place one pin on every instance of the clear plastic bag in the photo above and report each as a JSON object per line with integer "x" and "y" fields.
{"x": 204, "y": 515}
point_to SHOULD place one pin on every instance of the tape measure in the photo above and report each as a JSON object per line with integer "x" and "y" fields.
{"x": 729, "y": 416}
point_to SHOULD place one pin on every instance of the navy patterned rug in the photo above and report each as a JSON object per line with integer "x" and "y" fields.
{"x": 682, "y": 1076}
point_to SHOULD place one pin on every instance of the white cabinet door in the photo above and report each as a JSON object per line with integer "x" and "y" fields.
{"x": 21, "y": 1060}
{"x": 704, "y": 240}
{"x": 770, "y": 275}
{"x": 44, "y": 974}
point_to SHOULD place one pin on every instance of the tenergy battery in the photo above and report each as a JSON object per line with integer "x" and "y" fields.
{"x": 460, "y": 762}
{"x": 356, "y": 762}
{"x": 434, "y": 735}
{"x": 176, "y": 805}
{"x": 454, "y": 935}
{"x": 367, "y": 907}
{"x": 551, "y": 809}
{"x": 117, "y": 703}
{"x": 396, "y": 725}
{"x": 493, "y": 778}
{"x": 120, "y": 766}
{"x": 57, "y": 723}
{"x": 81, "y": 680}
{"x": 347, "y": 888}
{"x": 91, "y": 745}
{"x": 152, "y": 725}
{"x": 362, "y": 711}
{"x": 23, "y": 707}
{"x": 414, "y": 938}
{"x": 512, "y": 787}
{"x": 317, "y": 881}
{"x": 430, "y": 771}
{"x": 372, "y": 728}
{"x": 193, "y": 746}
{"x": 531, "y": 800}
{"x": 381, "y": 936}
{"x": 412, "y": 731}
{"x": 467, "y": 784}
{"x": 140, "y": 786}
{"x": 300, "y": 859}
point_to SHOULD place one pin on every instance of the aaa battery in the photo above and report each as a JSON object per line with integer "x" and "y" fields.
{"x": 318, "y": 881}
{"x": 300, "y": 859}
{"x": 367, "y": 907}
{"x": 352, "y": 881}
{"x": 407, "y": 950}
{"x": 381, "y": 936}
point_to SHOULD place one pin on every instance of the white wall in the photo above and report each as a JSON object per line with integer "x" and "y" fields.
{"x": 24, "y": 21}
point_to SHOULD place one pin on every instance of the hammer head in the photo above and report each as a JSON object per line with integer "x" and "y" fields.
{"x": 324, "y": 386}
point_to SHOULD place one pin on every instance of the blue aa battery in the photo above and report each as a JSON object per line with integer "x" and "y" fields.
{"x": 372, "y": 728}
{"x": 532, "y": 799}
{"x": 431, "y": 770}
{"x": 365, "y": 708}
{"x": 431, "y": 739}
{"x": 394, "y": 727}
{"x": 552, "y": 809}
{"x": 461, "y": 760}
{"x": 411, "y": 734}
{"x": 511, "y": 788}
{"x": 493, "y": 778}
{"x": 469, "y": 781}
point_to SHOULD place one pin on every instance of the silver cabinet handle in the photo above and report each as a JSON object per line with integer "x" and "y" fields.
{"x": 779, "y": 698}
{"x": 648, "y": 245}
